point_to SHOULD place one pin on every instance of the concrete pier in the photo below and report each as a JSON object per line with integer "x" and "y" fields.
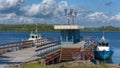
{"x": 48, "y": 51}
{"x": 18, "y": 57}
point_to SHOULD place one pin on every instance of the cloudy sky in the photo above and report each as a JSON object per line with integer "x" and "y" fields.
{"x": 90, "y": 13}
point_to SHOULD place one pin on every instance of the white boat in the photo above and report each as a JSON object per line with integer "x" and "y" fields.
{"x": 34, "y": 36}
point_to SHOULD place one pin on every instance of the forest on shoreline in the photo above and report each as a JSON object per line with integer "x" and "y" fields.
{"x": 49, "y": 28}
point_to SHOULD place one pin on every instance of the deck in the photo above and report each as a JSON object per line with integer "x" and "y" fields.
{"x": 18, "y": 56}
{"x": 47, "y": 50}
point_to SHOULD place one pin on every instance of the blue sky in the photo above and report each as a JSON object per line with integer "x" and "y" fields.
{"x": 91, "y": 13}
{"x": 30, "y": 2}
{"x": 96, "y": 5}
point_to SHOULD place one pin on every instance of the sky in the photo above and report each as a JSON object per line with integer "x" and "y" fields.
{"x": 90, "y": 13}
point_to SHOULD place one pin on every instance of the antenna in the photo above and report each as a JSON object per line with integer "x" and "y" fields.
{"x": 65, "y": 12}
{"x": 103, "y": 31}
{"x": 36, "y": 30}
{"x": 70, "y": 14}
{"x": 107, "y": 4}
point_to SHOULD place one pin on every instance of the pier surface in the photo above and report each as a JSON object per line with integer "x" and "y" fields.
{"x": 18, "y": 56}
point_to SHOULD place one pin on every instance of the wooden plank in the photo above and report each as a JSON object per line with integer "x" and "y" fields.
{"x": 66, "y": 53}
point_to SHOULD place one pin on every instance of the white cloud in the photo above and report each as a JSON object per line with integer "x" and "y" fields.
{"x": 98, "y": 16}
{"x": 11, "y": 3}
{"x": 5, "y": 4}
{"x": 43, "y": 9}
{"x": 46, "y": 9}
{"x": 116, "y": 17}
{"x": 34, "y": 10}
{"x": 12, "y": 18}
{"x": 9, "y": 16}
{"x": 11, "y": 6}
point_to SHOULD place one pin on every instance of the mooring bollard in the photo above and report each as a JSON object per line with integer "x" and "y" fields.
{"x": 43, "y": 62}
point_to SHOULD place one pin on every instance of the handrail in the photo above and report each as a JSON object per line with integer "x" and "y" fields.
{"x": 15, "y": 43}
{"x": 47, "y": 47}
{"x": 48, "y": 43}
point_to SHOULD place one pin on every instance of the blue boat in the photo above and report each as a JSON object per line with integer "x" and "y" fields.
{"x": 102, "y": 49}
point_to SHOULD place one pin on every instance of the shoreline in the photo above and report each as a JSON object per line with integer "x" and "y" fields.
{"x": 71, "y": 64}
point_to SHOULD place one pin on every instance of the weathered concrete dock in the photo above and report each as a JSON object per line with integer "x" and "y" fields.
{"x": 10, "y": 54}
{"x": 17, "y": 57}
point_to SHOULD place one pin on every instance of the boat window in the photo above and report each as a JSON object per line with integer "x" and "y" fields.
{"x": 32, "y": 36}
{"x": 100, "y": 44}
{"x": 107, "y": 44}
{"x": 103, "y": 44}
{"x": 36, "y": 36}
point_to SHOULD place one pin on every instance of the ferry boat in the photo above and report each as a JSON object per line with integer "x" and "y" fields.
{"x": 34, "y": 36}
{"x": 102, "y": 49}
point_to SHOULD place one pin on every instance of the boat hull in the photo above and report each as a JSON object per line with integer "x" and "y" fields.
{"x": 103, "y": 54}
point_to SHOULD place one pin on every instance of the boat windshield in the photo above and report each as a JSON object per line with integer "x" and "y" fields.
{"x": 104, "y": 44}
{"x": 32, "y": 36}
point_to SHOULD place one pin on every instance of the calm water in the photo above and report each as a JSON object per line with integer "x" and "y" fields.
{"x": 114, "y": 38}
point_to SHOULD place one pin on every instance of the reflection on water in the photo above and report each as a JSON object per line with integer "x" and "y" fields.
{"x": 107, "y": 61}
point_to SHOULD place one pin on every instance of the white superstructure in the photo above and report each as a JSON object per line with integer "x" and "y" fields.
{"x": 34, "y": 36}
{"x": 103, "y": 45}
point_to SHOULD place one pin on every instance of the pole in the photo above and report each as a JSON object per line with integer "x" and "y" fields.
{"x": 73, "y": 19}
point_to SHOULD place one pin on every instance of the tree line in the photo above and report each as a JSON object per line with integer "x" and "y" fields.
{"x": 48, "y": 28}
{"x": 103, "y": 28}
{"x": 26, "y": 27}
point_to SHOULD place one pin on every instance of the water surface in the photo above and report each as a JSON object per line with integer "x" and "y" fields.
{"x": 114, "y": 37}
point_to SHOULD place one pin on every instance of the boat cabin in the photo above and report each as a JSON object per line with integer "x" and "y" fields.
{"x": 34, "y": 36}
{"x": 103, "y": 44}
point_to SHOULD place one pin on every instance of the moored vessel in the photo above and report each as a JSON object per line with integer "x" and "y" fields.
{"x": 34, "y": 36}
{"x": 103, "y": 49}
